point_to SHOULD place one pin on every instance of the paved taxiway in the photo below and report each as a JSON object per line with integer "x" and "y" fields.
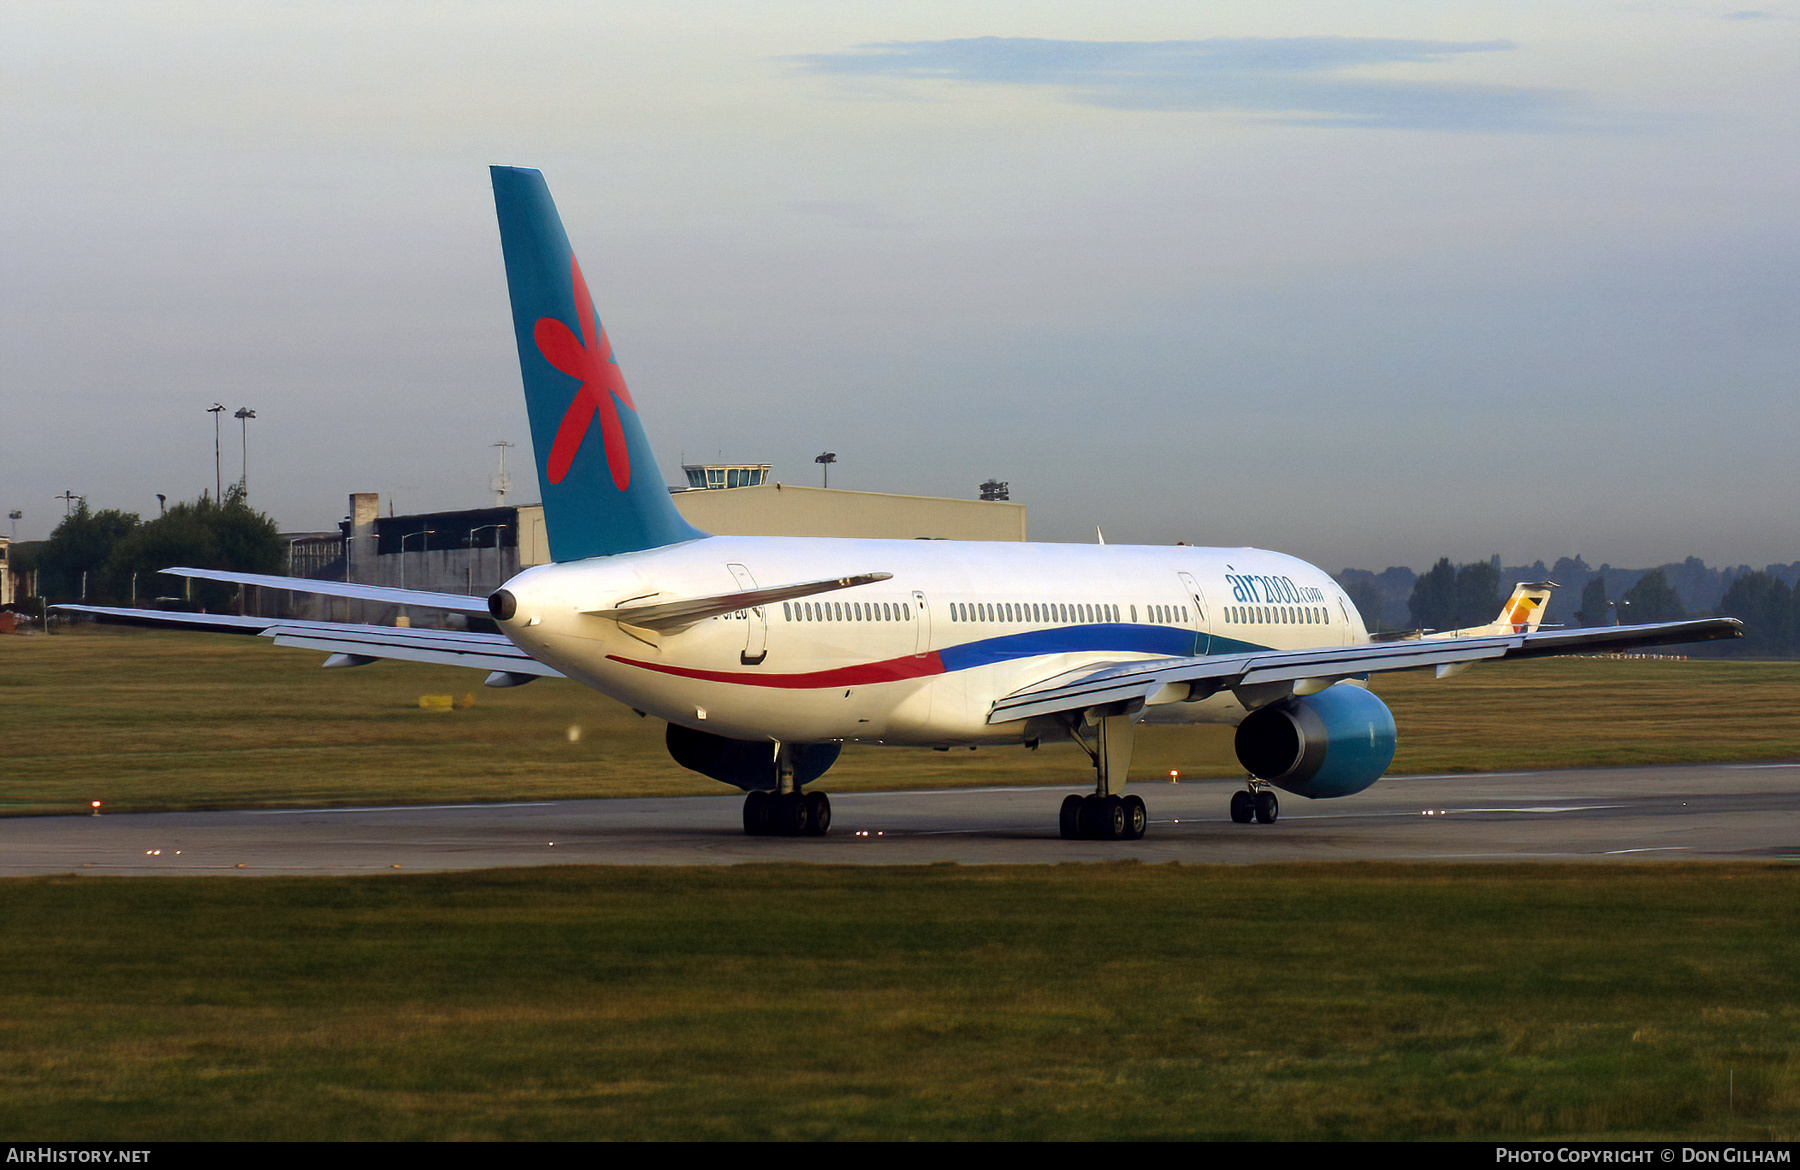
{"x": 1705, "y": 812}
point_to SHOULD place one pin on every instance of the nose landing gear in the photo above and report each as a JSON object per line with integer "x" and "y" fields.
{"x": 1256, "y": 803}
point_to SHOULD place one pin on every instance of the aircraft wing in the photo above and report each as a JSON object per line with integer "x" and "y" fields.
{"x": 352, "y": 645}
{"x": 1134, "y": 683}
{"x": 422, "y": 598}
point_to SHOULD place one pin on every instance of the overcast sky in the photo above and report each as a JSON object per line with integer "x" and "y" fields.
{"x": 1369, "y": 283}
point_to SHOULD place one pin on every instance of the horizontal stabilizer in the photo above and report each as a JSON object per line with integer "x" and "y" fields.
{"x": 671, "y": 616}
{"x": 422, "y": 598}
{"x": 344, "y": 642}
{"x": 210, "y": 623}
{"x": 1133, "y": 683}
{"x": 490, "y": 652}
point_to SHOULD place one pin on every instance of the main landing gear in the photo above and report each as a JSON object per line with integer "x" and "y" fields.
{"x": 1256, "y": 803}
{"x": 1103, "y": 818}
{"x": 787, "y": 814}
{"x": 1106, "y": 815}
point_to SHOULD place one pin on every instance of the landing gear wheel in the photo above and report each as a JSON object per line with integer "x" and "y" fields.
{"x": 818, "y": 814}
{"x": 1137, "y": 818}
{"x": 1102, "y": 818}
{"x": 1267, "y": 807}
{"x": 1092, "y": 815}
{"x": 791, "y": 814}
{"x": 1069, "y": 819}
{"x": 758, "y": 807}
{"x": 1113, "y": 824}
{"x": 1243, "y": 807}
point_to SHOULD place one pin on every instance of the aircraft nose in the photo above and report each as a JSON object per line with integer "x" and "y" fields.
{"x": 502, "y": 604}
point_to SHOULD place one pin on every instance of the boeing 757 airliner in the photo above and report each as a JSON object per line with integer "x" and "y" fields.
{"x": 765, "y": 655}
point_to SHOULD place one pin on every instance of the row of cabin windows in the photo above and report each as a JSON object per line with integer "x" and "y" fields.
{"x": 1262, "y": 615}
{"x": 846, "y": 611}
{"x": 1037, "y": 612}
{"x": 1041, "y": 613}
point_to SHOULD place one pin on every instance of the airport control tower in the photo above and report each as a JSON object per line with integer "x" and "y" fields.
{"x": 714, "y": 476}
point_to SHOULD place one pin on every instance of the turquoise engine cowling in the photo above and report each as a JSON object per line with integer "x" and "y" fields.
{"x": 1334, "y": 743}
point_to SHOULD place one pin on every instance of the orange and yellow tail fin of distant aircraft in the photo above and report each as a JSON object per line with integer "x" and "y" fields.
{"x": 1522, "y": 614}
{"x": 1523, "y": 611}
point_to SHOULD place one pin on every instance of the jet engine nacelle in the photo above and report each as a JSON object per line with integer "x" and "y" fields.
{"x": 746, "y": 763}
{"x": 1334, "y": 743}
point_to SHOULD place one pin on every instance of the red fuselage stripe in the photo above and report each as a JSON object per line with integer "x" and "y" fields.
{"x": 893, "y": 670}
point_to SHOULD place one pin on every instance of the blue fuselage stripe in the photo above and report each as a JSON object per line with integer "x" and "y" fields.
{"x": 1118, "y": 638}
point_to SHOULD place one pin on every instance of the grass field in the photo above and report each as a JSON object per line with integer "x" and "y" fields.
{"x": 149, "y": 720}
{"x": 1349, "y": 1001}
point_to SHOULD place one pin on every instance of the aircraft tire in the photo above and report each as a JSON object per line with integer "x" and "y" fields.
{"x": 1267, "y": 807}
{"x": 1069, "y": 819}
{"x": 756, "y": 813}
{"x": 1243, "y": 807}
{"x": 1137, "y": 818}
{"x": 791, "y": 814}
{"x": 1088, "y": 821}
{"x": 818, "y": 814}
{"x": 1114, "y": 824}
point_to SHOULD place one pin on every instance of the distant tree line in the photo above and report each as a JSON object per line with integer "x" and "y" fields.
{"x": 1770, "y": 611}
{"x": 1451, "y": 596}
{"x": 112, "y": 557}
{"x": 1454, "y": 597}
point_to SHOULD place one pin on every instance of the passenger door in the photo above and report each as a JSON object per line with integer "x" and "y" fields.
{"x": 756, "y": 638}
{"x": 1202, "y": 627}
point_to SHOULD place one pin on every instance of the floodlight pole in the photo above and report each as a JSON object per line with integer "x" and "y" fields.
{"x": 244, "y": 415}
{"x": 216, "y": 410}
{"x": 423, "y": 547}
{"x": 472, "y": 545}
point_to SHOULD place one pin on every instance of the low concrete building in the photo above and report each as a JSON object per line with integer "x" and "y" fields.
{"x": 775, "y": 509}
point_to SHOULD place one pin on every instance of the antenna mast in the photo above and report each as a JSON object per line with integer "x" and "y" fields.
{"x": 501, "y": 483}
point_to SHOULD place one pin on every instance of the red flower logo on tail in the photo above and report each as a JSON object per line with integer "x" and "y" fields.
{"x": 591, "y": 360}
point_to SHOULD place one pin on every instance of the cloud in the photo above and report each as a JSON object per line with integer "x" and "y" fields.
{"x": 1304, "y": 80}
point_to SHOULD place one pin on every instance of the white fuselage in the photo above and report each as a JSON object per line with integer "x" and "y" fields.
{"x": 918, "y": 658}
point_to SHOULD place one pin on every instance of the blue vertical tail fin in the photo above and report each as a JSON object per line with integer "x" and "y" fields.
{"x": 601, "y": 488}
